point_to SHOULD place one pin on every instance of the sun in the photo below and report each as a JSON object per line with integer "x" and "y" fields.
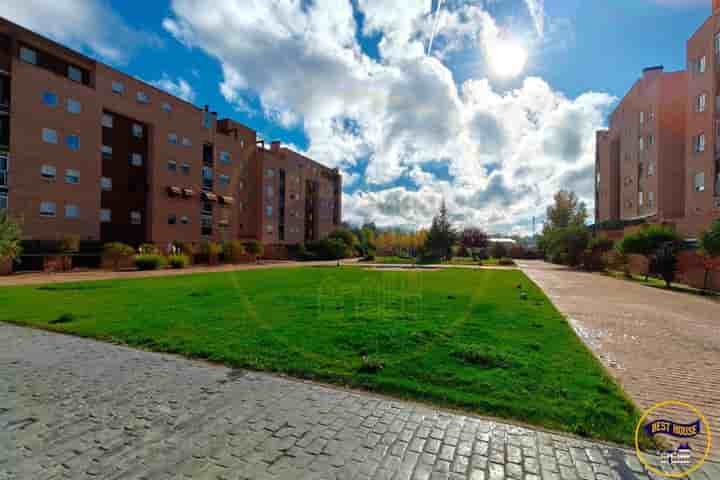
{"x": 507, "y": 58}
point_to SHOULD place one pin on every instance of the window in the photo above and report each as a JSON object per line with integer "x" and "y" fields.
{"x": 72, "y": 176}
{"x": 642, "y": 118}
{"x": 640, "y": 199}
{"x": 172, "y": 166}
{"x": 135, "y": 217}
{"x": 651, "y": 169}
{"x": 137, "y": 130}
{"x": 185, "y": 169}
{"x": 142, "y": 97}
{"x": 269, "y": 229}
{"x": 74, "y": 74}
{"x": 651, "y": 140}
{"x": 700, "y": 143}
{"x": 700, "y": 103}
{"x": 118, "y": 87}
{"x": 186, "y": 142}
{"x": 207, "y": 173}
{"x": 166, "y": 107}
{"x": 73, "y": 142}
{"x": 184, "y": 220}
{"x": 105, "y": 215}
{"x": 47, "y": 209}
{"x": 48, "y": 172}
{"x": 269, "y": 192}
{"x": 73, "y": 106}
{"x": 717, "y": 43}
{"x": 269, "y": 172}
{"x": 50, "y": 99}
{"x": 651, "y": 199}
{"x": 699, "y": 182}
{"x": 136, "y": 160}
{"x": 72, "y": 211}
{"x": 224, "y": 179}
{"x": 173, "y": 138}
{"x": 268, "y": 210}
{"x": 106, "y": 152}
{"x": 225, "y": 158}
{"x": 172, "y": 219}
{"x": 106, "y": 183}
{"x": 702, "y": 64}
{"x": 241, "y": 185}
{"x": 107, "y": 120}
{"x": 28, "y": 55}
{"x": 3, "y": 200}
{"x": 641, "y": 142}
{"x": 49, "y": 135}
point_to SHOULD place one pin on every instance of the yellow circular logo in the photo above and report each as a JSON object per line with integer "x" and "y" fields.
{"x": 681, "y": 456}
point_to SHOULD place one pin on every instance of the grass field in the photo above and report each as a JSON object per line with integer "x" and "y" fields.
{"x": 455, "y": 261}
{"x": 456, "y": 337}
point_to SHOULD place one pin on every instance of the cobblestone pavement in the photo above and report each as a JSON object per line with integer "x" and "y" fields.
{"x": 660, "y": 345}
{"x": 81, "y": 409}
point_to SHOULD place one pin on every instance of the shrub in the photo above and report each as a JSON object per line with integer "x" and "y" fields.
{"x": 149, "y": 261}
{"x": 371, "y": 365}
{"x": 505, "y": 261}
{"x": 10, "y": 234}
{"x": 558, "y": 257}
{"x": 210, "y": 251}
{"x": 254, "y": 248}
{"x": 116, "y": 252}
{"x": 601, "y": 243}
{"x": 647, "y": 242}
{"x": 498, "y": 250}
{"x": 233, "y": 251}
{"x": 593, "y": 260}
{"x": 329, "y": 249}
{"x": 664, "y": 263}
{"x": 64, "y": 318}
{"x": 178, "y": 261}
{"x": 70, "y": 244}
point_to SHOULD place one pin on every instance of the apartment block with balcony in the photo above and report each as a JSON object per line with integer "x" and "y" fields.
{"x": 89, "y": 151}
{"x": 640, "y": 159}
{"x": 702, "y": 154}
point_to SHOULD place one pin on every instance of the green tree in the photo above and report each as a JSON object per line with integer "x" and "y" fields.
{"x": 567, "y": 210}
{"x": 254, "y": 248}
{"x": 710, "y": 250}
{"x": 10, "y": 233}
{"x": 664, "y": 263}
{"x": 442, "y": 236}
{"x": 647, "y": 242}
{"x": 116, "y": 252}
{"x": 347, "y": 237}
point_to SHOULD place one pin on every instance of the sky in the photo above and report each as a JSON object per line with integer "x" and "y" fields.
{"x": 488, "y": 105}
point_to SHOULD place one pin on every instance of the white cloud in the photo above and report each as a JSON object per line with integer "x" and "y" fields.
{"x": 87, "y": 25}
{"x": 394, "y": 117}
{"x": 180, "y": 88}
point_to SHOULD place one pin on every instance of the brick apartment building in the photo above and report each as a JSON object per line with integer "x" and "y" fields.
{"x": 87, "y": 150}
{"x": 659, "y": 160}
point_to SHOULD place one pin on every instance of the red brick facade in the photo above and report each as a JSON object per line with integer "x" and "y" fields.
{"x": 99, "y": 154}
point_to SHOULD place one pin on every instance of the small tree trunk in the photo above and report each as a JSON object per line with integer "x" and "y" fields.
{"x": 706, "y": 281}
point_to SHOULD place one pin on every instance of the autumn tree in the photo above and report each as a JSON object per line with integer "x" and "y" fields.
{"x": 473, "y": 238}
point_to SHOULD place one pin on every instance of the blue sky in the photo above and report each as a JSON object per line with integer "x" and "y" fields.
{"x": 351, "y": 83}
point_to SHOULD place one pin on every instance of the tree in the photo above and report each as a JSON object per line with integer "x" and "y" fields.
{"x": 441, "y": 236}
{"x": 567, "y": 210}
{"x": 10, "y": 233}
{"x": 664, "y": 262}
{"x": 473, "y": 238}
{"x": 254, "y": 248}
{"x": 498, "y": 250}
{"x": 346, "y": 236}
{"x": 647, "y": 242}
{"x": 116, "y": 252}
{"x": 710, "y": 250}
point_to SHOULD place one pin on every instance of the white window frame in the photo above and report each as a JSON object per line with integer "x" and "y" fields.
{"x": 269, "y": 172}
{"x": 106, "y": 184}
{"x": 107, "y": 120}
{"x": 651, "y": 169}
{"x": 702, "y": 64}
{"x": 186, "y": 142}
{"x": 642, "y": 118}
{"x": 173, "y": 138}
{"x": 185, "y": 168}
{"x": 142, "y": 97}
{"x": 72, "y": 176}
{"x": 48, "y": 209}
{"x": 172, "y": 166}
{"x": 641, "y": 143}
{"x": 184, "y": 220}
{"x": 105, "y": 215}
{"x": 701, "y": 102}
{"x": 641, "y": 198}
{"x": 135, "y": 217}
{"x": 106, "y": 150}
{"x": 225, "y": 158}
{"x": 224, "y": 179}
{"x": 118, "y": 87}
{"x": 49, "y": 136}
{"x": 136, "y": 159}
{"x": 48, "y": 172}
{"x": 69, "y": 208}
{"x": 651, "y": 199}
{"x": 699, "y": 182}
{"x": 166, "y": 107}
{"x": 137, "y": 130}
{"x": 268, "y": 210}
{"x": 700, "y": 143}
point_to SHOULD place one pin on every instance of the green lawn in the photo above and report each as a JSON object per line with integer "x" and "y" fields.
{"x": 456, "y": 337}
{"x": 455, "y": 261}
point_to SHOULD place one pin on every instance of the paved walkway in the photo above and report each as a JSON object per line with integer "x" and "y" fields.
{"x": 660, "y": 345}
{"x": 80, "y": 409}
{"x": 90, "y": 275}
